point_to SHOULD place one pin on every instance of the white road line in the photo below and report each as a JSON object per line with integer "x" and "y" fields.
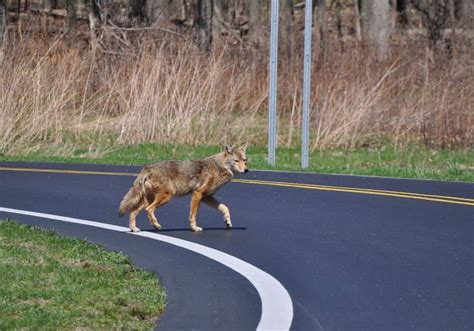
{"x": 277, "y": 307}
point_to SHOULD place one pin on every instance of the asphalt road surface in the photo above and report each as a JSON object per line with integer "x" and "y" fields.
{"x": 351, "y": 253}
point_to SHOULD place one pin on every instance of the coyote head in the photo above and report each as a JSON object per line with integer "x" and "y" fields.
{"x": 235, "y": 159}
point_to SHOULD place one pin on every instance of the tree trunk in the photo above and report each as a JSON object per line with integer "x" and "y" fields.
{"x": 435, "y": 16}
{"x": 357, "y": 23}
{"x": 256, "y": 30}
{"x": 158, "y": 11}
{"x": 137, "y": 10}
{"x": 338, "y": 8}
{"x": 3, "y": 17}
{"x": 467, "y": 14}
{"x": 3, "y": 25}
{"x": 376, "y": 27}
{"x": 286, "y": 30}
{"x": 381, "y": 29}
{"x": 322, "y": 40}
{"x": 95, "y": 21}
{"x": 162, "y": 12}
{"x": 71, "y": 17}
{"x": 45, "y": 4}
{"x": 402, "y": 6}
{"x": 204, "y": 13}
{"x": 364, "y": 8}
{"x": 394, "y": 13}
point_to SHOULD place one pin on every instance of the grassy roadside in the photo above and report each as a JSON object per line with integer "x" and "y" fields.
{"x": 52, "y": 282}
{"x": 413, "y": 161}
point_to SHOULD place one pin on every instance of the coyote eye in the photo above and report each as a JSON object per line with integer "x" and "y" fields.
{"x": 236, "y": 160}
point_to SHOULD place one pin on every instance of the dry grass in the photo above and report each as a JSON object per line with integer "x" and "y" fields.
{"x": 175, "y": 95}
{"x": 358, "y": 100}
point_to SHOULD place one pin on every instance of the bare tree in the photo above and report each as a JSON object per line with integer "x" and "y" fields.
{"x": 137, "y": 10}
{"x": 162, "y": 12}
{"x": 3, "y": 20}
{"x": 256, "y": 29}
{"x": 401, "y": 7}
{"x": 71, "y": 10}
{"x": 95, "y": 22}
{"x": 381, "y": 28}
{"x": 3, "y": 25}
{"x": 394, "y": 13}
{"x": 228, "y": 19}
{"x": 358, "y": 19}
{"x": 376, "y": 26}
{"x": 45, "y": 4}
{"x": 322, "y": 35}
{"x": 466, "y": 13}
{"x": 287, "y": 29}
{"x": 436, "y": 15}
{"x": 364, "y": 15}
{"x": 204, "y": 13}
{"x": 338, "y": 9}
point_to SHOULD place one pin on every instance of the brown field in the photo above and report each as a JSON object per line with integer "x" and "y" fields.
{"x": 168, "y": 92}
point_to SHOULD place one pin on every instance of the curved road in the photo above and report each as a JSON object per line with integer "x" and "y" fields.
{"x": 356, "y": 253}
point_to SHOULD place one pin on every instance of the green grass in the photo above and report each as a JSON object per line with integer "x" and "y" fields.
{"x": 52, "y": 282}
{"x": 414, "y": 161}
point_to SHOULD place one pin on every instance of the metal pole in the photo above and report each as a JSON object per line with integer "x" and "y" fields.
{"x": 272, "y": 99}
{"x": 306, "y": 83}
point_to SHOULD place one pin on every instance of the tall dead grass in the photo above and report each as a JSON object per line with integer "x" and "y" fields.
{"x": 175, "y": 95}
{"x": 358, "y": 101}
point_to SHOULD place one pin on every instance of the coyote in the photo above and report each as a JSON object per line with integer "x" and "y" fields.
{"x": 157, "y": 183}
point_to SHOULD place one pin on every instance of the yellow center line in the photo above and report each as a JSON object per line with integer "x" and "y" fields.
{"x": 407, "y": 195}
{"x": 65, "y": 171}
{"x": 330, "y": 187}
{"x": 399, "y": 194}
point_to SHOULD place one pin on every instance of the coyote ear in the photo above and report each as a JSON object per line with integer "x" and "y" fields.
{"x": 229, "y": 149}
{"x": 243, "y": 148}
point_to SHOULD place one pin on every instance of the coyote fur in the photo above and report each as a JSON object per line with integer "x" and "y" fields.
{"x": 157, "y": 183}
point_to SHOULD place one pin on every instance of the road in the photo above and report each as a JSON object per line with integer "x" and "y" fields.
{"x": 355, "y": 253}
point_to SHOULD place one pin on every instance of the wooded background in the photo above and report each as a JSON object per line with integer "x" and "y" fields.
{"x": 196, "y": 72}
{"x": 244, "y": 23}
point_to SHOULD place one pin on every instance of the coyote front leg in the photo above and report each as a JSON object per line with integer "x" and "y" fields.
{"x": 195, "y": 201}
{"x": 214, "y": 203}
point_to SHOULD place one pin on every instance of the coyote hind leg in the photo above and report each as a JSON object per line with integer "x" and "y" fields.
{"x": 216, "y": 204}
{"x": 132, "y": 224}
{"x": 160, "y": 200}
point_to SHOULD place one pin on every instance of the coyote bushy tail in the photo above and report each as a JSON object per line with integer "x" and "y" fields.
{"x": 135, "y": 195}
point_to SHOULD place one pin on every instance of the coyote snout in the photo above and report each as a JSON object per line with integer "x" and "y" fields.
{"x": 158, "y": 183}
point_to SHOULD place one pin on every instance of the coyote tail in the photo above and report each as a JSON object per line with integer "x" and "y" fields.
{"x": 135, "y": 195}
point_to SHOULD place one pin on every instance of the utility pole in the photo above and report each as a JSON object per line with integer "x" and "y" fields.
{"x": 272, "y": 99}
{"x": 306, "y": 84}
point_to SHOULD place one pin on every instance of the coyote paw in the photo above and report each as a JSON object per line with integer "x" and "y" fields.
{"x": 228, "y": 222}
{"x": 135, "y": 229}
{"x": 196, "y": 229}
{"x": 157, "y": 226}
